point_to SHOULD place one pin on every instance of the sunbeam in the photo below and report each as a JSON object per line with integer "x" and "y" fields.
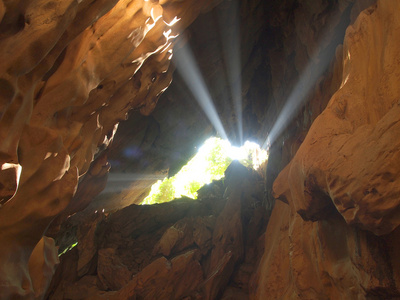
{"x": 319, "y": 62}
{"x": 187, "y": 67}
{"x": 230, "y": 34}
{"x": 117, "y": 182}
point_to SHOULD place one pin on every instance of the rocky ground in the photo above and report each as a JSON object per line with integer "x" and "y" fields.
{"x": 185, "y": 249}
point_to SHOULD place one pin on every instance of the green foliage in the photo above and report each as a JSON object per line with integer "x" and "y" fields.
{"x": 193, "y": 187}
{"x": 217, "y": 161}
{"x": 208, "y": 164}
{"x": 162, "y": 191}
{"x": 248, "y": 160}
{"x": 166, "y": 191}
{"x": 70, "y": 247}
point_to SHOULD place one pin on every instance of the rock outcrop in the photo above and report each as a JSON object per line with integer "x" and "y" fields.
{"x": 70, "y": 71}
{"x": 339, "y": 234}
{"x": 184, "y": 249}
{"x": 359, "y": 167}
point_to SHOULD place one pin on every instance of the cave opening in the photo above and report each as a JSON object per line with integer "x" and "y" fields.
{"x": 91, "y": 119}
{"x": 209, "y": 164}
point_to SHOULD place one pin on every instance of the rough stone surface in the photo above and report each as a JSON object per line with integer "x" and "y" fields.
{"x": 174, "y": 250}
{"x": 333, "y": 233}
{"x": 358, "y": 169}
{"x": 42, "y": 265}
{"x": 70, "y": 71}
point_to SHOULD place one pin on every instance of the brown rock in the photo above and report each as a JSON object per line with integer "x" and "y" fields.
{"x": 112, "y": 273}
{"x": 336, "y": 179}
{"x": 42, "y": 265}
{"x": 87, "y": 245}
{"x": 227, "y": 241}
{"x": 187, "y": 232}
{"x": 351, "y": 156}
{"x": 234, "y": 294}
{"x": 272, "y": 278}
{"x": 70, "y": 71}
{"x": 66, "y": 81}
{"x": 219, "y": 275}
{"x": 174, "y": 279}
{"x": 178, "y": 237}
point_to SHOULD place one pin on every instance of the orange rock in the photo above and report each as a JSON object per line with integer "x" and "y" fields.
{"x": 350, "y": 156}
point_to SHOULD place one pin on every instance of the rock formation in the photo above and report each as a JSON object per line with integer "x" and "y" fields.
{"x": 346, "y": 172}
{"x": 70, "y": 71}
{"x": 184, "y": 249}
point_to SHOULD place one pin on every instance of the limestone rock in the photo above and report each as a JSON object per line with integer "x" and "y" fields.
{"x": 112, "y": 273}
{"x": 164, "y": 274}
{"x": 87, "y": 246}
{"x": 167, "y": 251}
{"x": 360, "y": 172}
{"x": 186, "y": 233}
{"x": 69, "y": 72}
{"x": 333, "y": 233}
{"x": 42, "y": 265}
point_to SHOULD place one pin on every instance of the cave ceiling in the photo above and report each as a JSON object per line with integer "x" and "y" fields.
{"x": 97, "y": 103}
{"x": 273, "y": 55}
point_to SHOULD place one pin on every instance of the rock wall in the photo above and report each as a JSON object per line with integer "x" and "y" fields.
{"x": 70, "y": 71}
{"x": 334, "y": 233}
{"x": 184, "y": 249}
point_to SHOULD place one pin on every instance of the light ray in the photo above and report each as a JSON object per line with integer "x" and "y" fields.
{"x": 118, "y": 182}
{"x": 298, "y": 96}
{"x": 187, "y": 67}
{"x": 231, "y": 50}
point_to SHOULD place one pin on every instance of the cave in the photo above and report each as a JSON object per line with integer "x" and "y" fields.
{"x": 100, "y": 99}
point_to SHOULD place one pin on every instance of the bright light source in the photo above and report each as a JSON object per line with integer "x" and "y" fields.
{"x": 207, "y": 165}
{"x": 236, "y": 153}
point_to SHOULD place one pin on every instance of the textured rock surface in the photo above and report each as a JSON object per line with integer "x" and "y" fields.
{"x": 71, "y": 70}
{"x": 185, "y": 248}
{"x": 335, "y": 236}
{"x": 359, "y": 167}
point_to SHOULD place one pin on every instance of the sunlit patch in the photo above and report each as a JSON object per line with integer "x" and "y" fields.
{"x": 175, "y": 20}
{"x": 345, "y": 80}
{"x": 167, "y": 47}
{"x": 207, "y": 165}
{"x": 168, "y": 36}
{"x": 170, "y": 54}
{"x": 155, "y": 17}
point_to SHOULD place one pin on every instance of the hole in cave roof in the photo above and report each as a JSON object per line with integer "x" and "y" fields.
{"x": 207, "y": 165}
